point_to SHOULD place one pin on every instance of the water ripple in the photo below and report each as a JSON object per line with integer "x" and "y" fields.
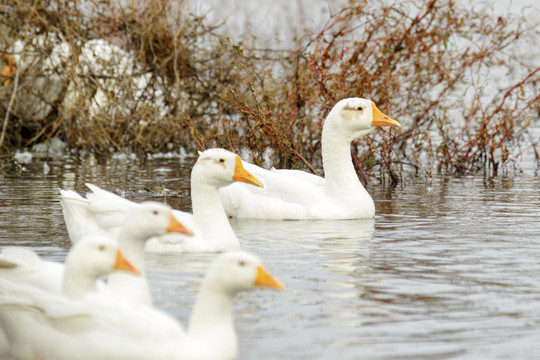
{"x": 448, "y": 269}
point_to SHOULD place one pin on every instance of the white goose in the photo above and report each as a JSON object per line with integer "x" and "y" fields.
{"x": 63, "y": 328}
{"x": 87, "y": 261}
{"x": 79, "y": 322}
{"x": 294, "y": 194}
{"x": 211, "y": 333}
{"x": 144, "y": 221}
{"x": 214, "y": 169}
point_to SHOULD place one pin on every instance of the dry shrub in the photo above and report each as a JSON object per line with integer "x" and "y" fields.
{"x": 430, "y": 65}
{"x": 107, "y": 77}
{"x": 433, "y": 71}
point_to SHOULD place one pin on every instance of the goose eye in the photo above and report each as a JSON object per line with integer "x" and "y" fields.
{"x": 155, "y": 212}
{"x": 360, "y": 108}
{"x": 101, "y": 248}
{"x": 221, "y": 160}
{"x": 242, "y": 263}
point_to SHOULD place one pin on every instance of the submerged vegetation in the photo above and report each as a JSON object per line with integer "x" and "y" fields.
{"x": 149, "y": 77}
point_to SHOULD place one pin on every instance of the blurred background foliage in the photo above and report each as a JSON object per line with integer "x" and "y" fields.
{"x": 149, "y": 76}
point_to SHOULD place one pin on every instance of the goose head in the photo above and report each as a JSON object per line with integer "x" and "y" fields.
{"x": 355, "y": 117}
{"x": 97, "y": 256}
{"x": 152, "y": 218}
{"x": 233, "y": 272}
{"x": 219, "y": 168}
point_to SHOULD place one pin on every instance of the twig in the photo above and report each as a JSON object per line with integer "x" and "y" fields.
{"x": 11, "y": 101}
{"x": 359, "y": 167}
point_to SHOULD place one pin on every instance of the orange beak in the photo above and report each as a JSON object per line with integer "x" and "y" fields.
{"x": 176, "y": 226}
{"x": 379, "y": 119}
{"x": 241, "y": 174}
{"x": 265, "y": 279}
{"x": 122, "y": 264}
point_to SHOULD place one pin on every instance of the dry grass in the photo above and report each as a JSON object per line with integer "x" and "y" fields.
{"x": 430, "y": 71}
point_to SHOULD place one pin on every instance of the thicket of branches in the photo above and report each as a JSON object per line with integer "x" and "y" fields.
{"x": 457, "y": 79}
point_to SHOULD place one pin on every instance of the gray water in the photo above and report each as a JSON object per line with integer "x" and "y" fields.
{"x": 448, "y": 269}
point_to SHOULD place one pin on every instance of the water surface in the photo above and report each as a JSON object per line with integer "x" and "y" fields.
{"x": 448, "y": 269}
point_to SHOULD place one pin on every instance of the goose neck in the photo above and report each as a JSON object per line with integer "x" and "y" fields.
{"x": 77, "y": 284}
{"x": 209, "y": 215}
{"x": 213, "y": 308}
{"x": 337, "y": 160}
{"x": 132, "y": 243}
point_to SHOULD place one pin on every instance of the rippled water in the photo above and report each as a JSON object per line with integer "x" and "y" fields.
{"x": 448, "y": 269}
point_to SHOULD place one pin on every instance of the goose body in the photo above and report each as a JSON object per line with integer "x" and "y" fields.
{"x": 25, "y": 266}
{"x": 95, "y": 327}
{"x": 80, "y": 322}
{"x": 294, "y": 194}
{"x": 211, "y": 231}
{"x": 86, "y": 262}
